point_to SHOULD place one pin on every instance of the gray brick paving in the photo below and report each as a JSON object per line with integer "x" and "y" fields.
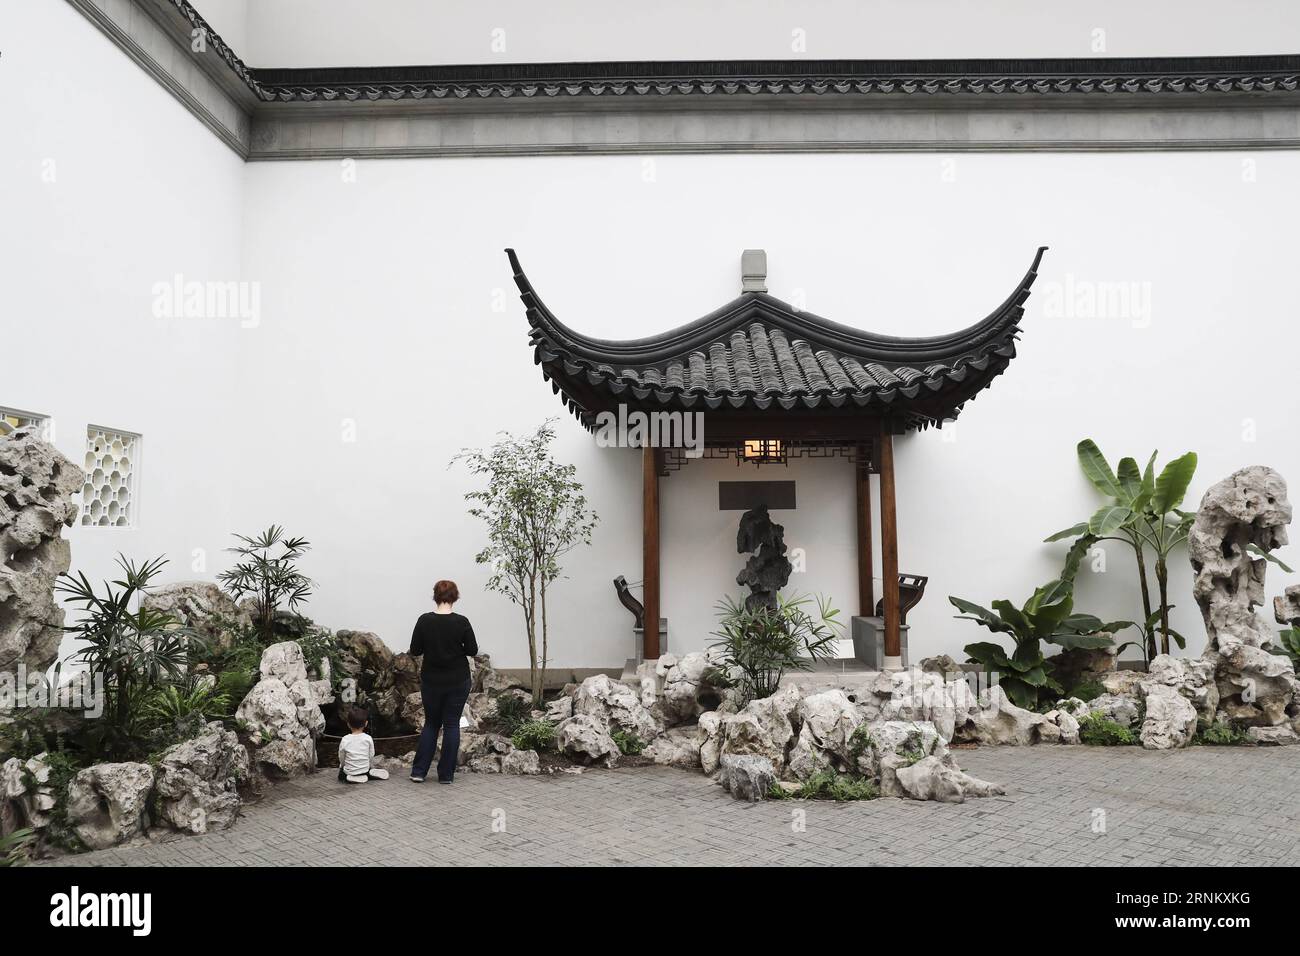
{"x": 1193, "y": 807}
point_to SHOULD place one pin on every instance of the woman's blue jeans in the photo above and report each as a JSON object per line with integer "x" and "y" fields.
{"x": 442, "y": 710}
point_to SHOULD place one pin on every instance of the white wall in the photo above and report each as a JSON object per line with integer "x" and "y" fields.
{"x": 108, "y": 186}
{"x": 380, "y": 298}
{"x": 699, "y": 559}
{"x": 388, "y": 308}
{"x": 317, "y": 33}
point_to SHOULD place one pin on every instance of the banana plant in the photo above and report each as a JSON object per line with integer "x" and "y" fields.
{"x": 1046, "y": 617}
{"x": 1143, "y": 512}
{"x": 1289, "y": 645}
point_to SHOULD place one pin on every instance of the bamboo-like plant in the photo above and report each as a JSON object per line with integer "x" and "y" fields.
{"x": 759, "y": 644}
{"x": 268, "y": 572}
{"x": 1143, "y": 512}
{"x": 135, "y": 651}
{"x": 536, "y": 512}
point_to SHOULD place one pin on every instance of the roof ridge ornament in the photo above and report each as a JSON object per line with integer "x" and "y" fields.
{"x": 753, "y": 270}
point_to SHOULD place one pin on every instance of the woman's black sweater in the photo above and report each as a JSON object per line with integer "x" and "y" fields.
{"x": 445, "y": 641}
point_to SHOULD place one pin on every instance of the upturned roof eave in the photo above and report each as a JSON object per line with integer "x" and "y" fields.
{"x": 821, "y": 333}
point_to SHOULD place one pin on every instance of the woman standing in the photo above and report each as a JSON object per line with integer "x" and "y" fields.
{"x": 446, "y": 642}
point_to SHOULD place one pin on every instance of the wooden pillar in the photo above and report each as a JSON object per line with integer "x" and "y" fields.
{"x": 889, "y": 548}
{"x": 650, "y": 548}
{"x": 866, "y": 584}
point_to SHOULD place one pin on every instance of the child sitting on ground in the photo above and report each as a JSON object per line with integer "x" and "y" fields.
{"x": 357, "y": 750}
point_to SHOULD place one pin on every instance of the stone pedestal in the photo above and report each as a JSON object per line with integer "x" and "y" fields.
{"x": 639, "y": 635}
{"x": 869, "y": 644}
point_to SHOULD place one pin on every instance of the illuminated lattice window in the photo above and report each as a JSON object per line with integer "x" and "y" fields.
{"x": 112, "y": 463}
{"x": 11, "y": 418}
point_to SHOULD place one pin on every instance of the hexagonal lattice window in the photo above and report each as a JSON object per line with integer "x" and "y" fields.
{"x": 108, "y": 497}
{"x": 11, "y": 418}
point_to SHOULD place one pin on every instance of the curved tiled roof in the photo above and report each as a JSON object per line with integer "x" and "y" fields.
{"x": 760, "y": 353}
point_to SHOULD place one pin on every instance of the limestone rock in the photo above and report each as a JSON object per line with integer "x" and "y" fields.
{"x": 1002, "y": 722}
{"x": 1250, "y": 507}
{"x": 927, "y": 696}
{"x": 1123, "y": 683}
{"x": 827, "y": 723}
{"x": 406, "y": 675}
{"x": 281, "y": 759}
{"x": 1286, "y": 608}
{"x": 477, "y": 751}
{"x": 677, "y": 747}
{"x": 1073, "y": 706}
{"x": 763, "y": 728}
{"x": 1255, "y": 687}
{"x": 915, "y": 735}
{"x": 711, "y": 731}
{"x": 768, "y": 569}
{"x": 1170, "y": 719}
{"x": 347, "y": 696}
{"x": 1122, "y": 710}
{"x": 931, "y": 779}
{"x": 944, "y": 665}
{"x": 364, "y": 651}
{"x": 198, "y": 781}
{"x": 394, "y": 764}
{"x": 1281, "y": 736}
{"x": 270, "y": 711}
{"x": 322, "y": 683}
{"x": 412, "y": 712}
{"x": 283, "y": 719}
{"x": 586, "y": 738}
{"x": 617, "y": 706}
{"x": 894, "y": 743}
{"x": 746, "y": 776}
{"x": 107, "y": 804}
{"x": 486, "y": 679}
{"x": 687, "y": 690}
{"x": 647, "y": 684}
{"x": 309, "y": 712}
{"x": 1192, "y": 678}
{"x": 1083, "y": 664}
{"x": 26, "y": 799}
{"x": 559, "y": 709}
{"x": 521, "y": 762}
{"x": 203, "y": 607}
{"x": 366, "y": 659}
{"x": 1066, "y": 725}
{"x": 39, "y": 494}
{"x": 285, "y": 662}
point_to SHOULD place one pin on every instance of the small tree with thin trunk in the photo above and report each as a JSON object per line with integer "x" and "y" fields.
{"x": 536, "y": 513}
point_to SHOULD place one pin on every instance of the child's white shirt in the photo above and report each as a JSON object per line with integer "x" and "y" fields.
{"x": 355, "y": 753}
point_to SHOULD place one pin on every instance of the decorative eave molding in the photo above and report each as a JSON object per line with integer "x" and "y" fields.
{"x": 151, "y": 33}
{"x": 1052, "y": 78}
{"x": 707, "y": 106}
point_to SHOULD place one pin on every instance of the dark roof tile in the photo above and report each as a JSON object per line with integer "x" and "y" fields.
{"x": 757, "y": 349}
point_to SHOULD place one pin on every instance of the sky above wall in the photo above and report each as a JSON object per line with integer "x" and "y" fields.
{"x": 314, "y": 33}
